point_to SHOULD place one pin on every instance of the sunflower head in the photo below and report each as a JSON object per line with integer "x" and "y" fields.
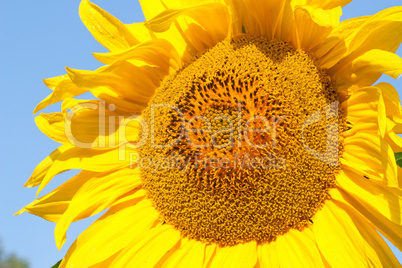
{"x": 229, "y": 134}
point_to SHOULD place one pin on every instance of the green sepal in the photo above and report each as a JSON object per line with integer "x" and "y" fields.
{"x": 398, "y": 159}
{"x": 57, "y": 264}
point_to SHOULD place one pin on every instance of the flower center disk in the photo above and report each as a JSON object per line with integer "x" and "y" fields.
{"x": 244, "y": 143}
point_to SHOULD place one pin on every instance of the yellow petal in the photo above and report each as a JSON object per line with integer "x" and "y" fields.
{"x": 372, "y": 194}
{"x": 275, "y": 18}
{"x": 43, "y": 167}
{"x": 87, "y": 159}
{"x": 381, "y": 31}
{"x": 293, "y": 249}
{"x": 338, "y": 238}
{"x": 395, "y": 141}
{"x": 240, "y": 255}
{"x": 268, "y": 255}
{"x": 377, "y": 60}
{"x": 388, "y": 229}
{"x": 391, "y": 99}
{"x": 313, "y": 25}
{"x": 149, "y": 248}
{"x": 111, "y": 233}
{"x": 127, "y": 86}
{"x": 163, "y": 21}
{"x": 106, "y": 29}
{"x": 328, "y": 4}
{"x": 347, "y": 240}
{"x": 377, "y": 250}
{"x": 158, "y": 52}
{"x": 95, "y": 125}
{"x": 190, "y": 254}
{"x": 62, "y": 87}
{"x": 202, "y": 28}
{"x": 140, "y": 32}
{"x": 174, "y": 35}
{"x": 52, "y": 205}
{"x": 242, "y": 20}
{"x": 365, "y": 109}
{"x": 367, "y": 68}
{"x": 331, "y": 50}
{"x": 52, "y": 125}
{"x": 368, "y": 154}
{"x": 152, "y": 8}
{"x": 96, "y": 195}
{"x": 393, "y": 107}
{"x": 297, "y": 248}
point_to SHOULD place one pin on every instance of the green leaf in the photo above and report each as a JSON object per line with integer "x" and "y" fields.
{"x": 57, "y": 264}
{"x": 398, "y": 159}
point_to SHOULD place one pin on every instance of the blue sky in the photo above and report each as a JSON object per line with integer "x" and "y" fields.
{"x": 38, "y": 40}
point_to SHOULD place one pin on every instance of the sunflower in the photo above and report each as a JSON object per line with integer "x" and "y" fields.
{"x": 236, "y": 133}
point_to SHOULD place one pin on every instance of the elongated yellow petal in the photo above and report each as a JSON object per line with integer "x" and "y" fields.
{"x": 52, "y": 125}
{"x": 52, "y": 205}
{"x": 344, "y": 244}
{"x": 367, "y": 68}
{"x": 395, "y": 141}
{"x": 152, "y": 8}
{"x": 174, "y": 35}
{"x": 87, "y": 159}
{"x": 242, "y": 21}
{"x": 313, "y": 25}
{"x": 199, "y": 28}
{"x": 365, "y": 109}
{"x": 378, "y": 252}
{"x": 388, "y": 229}
{"x": 204, "y": 26}
{"x": 372, "y": 194}
{"x": 328, "y": 4}
{"x": 95, "y": 195}
{"x": 62, "y": 87}
{"x": 147, "y": 249}
{"x": 191, "y": 253}
{"x": 377, "y": 60}
{"x": 140, "y": 32}
{"x": 391, "y": 98}
{"x": 43, "y": 167}
{"x": 268, "y": 255}
{"x": 298, "y": 249}
{"x": 128, "y": 86}
{"x": 338, "y": 238}
{"x": 158, "y": 52}
{"x": 111, "y": 233}
{"x": 393, "y": 107}
{"x": 368, "y": 154}
{"x": 106, "y": 29}
{"x": 90, "y": 125}
{"x": 381, "y": 31}
{"x": 274, "y": 18}
{"x": 292, "y": 249}
{"x": 241, "y": 255}
{"x": 163, "y": 21}
{"x": 331, "y": 50}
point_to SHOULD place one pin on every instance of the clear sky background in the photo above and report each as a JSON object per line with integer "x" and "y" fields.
{"x": 38, "y": 39}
